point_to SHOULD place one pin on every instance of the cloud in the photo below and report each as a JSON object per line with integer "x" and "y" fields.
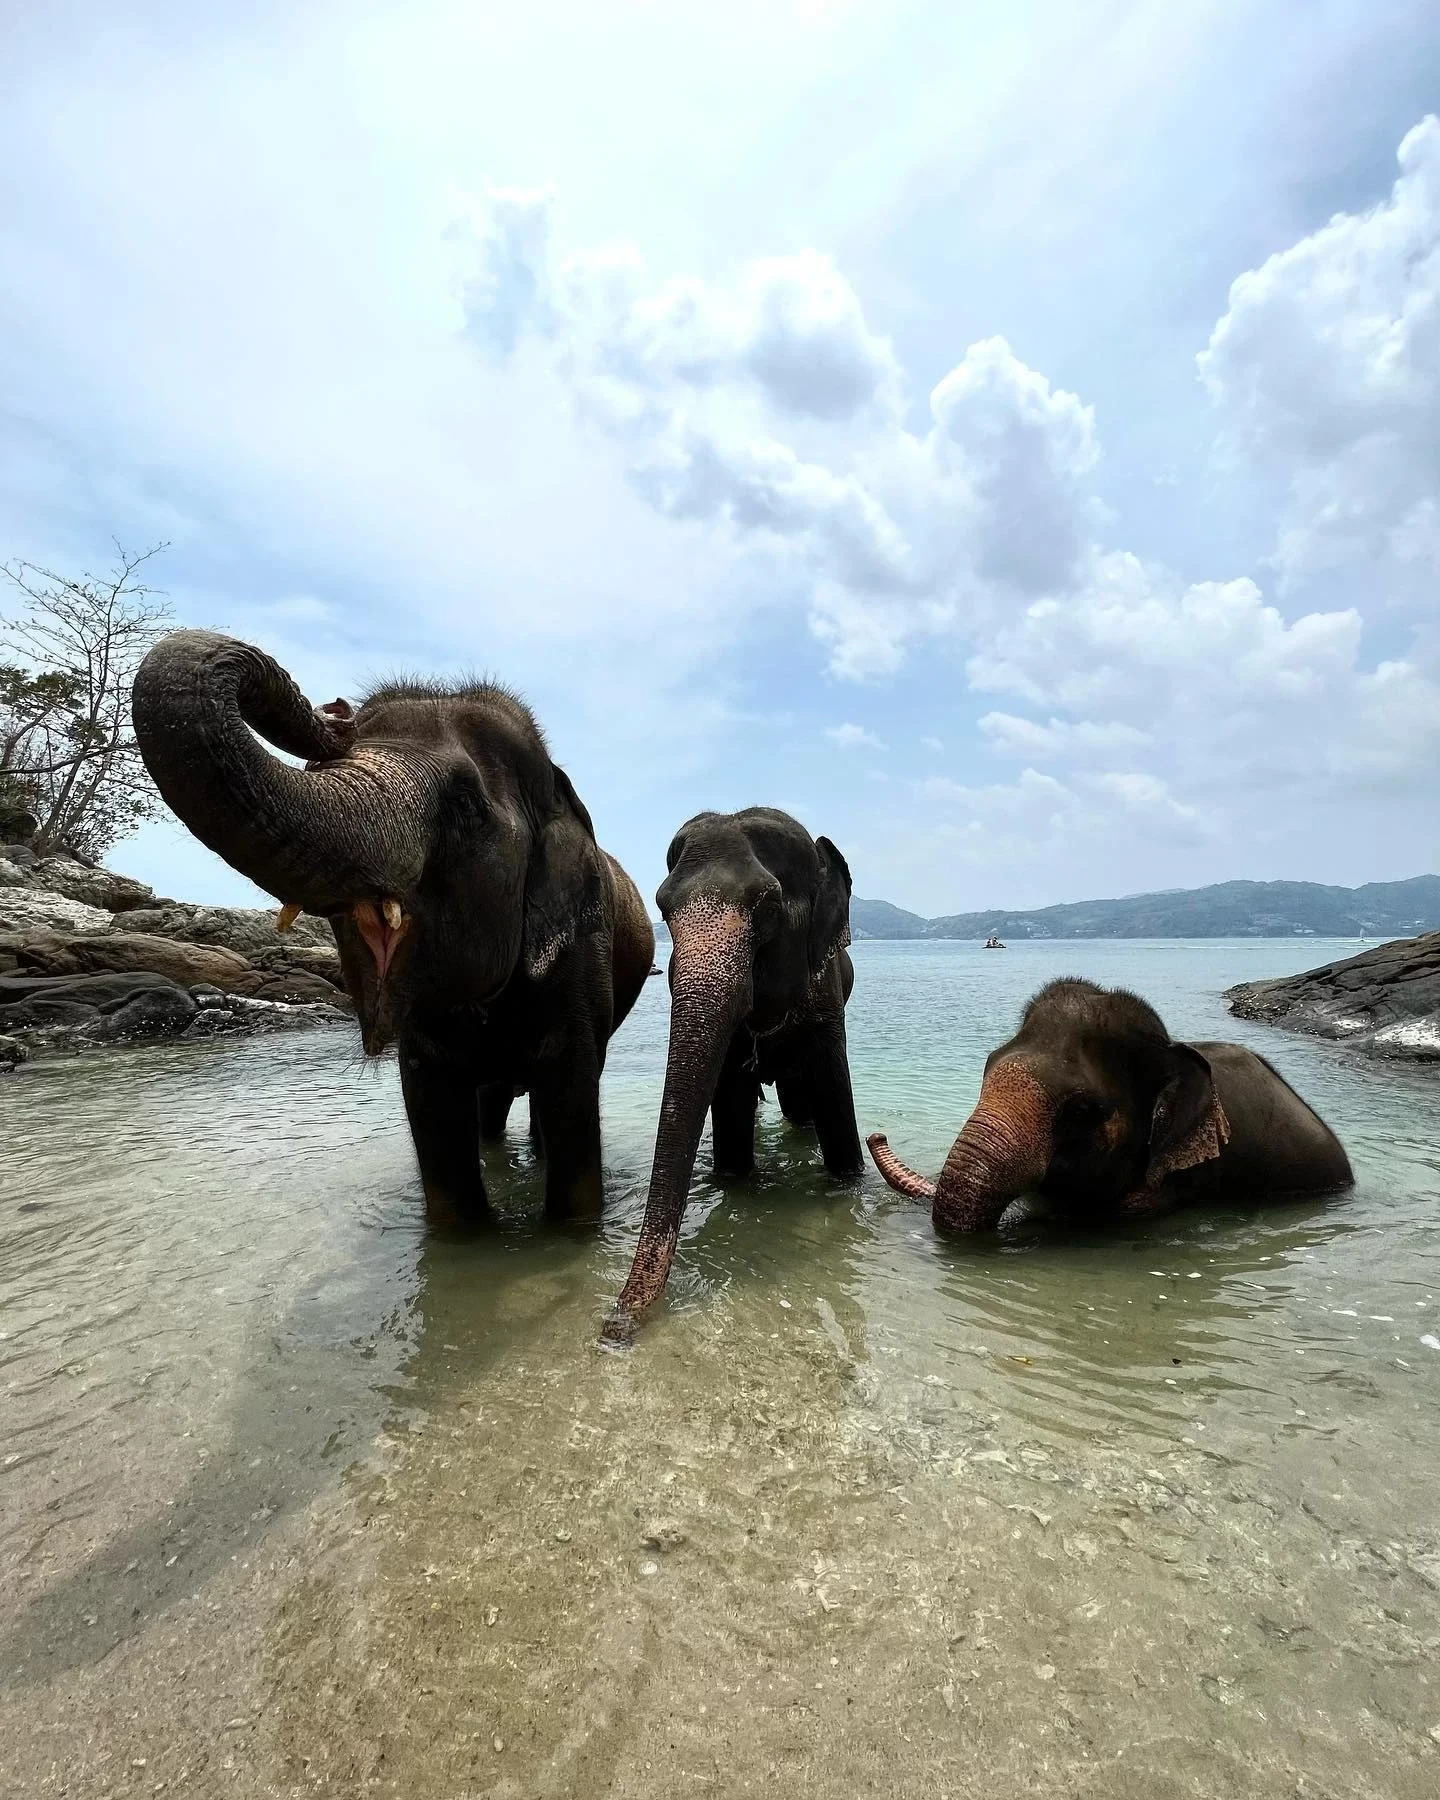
{"x": 853, "y": 737}
{"x": 763, "y": 409}
{"x": 766, "y": 407}
{"x": 1326, "y": 366}
{"x": 1060, "y": 738}
{"x": 1225, "y": 694}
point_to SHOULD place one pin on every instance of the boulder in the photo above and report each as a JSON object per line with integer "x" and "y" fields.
{"x": 1384, "y": 1002}
{"x": 115, "y": 952}
{"x": 12, "y": 1051}
{"x": 100, "y": 992}
{"x": 244, "y": 1017}
{"x": 95, "y": 887}
{"x": 156, "y": 1012}
{"x": 30, "y": 909}
{"x": 43, "y": 1010}
{"x": 245, "y": 929}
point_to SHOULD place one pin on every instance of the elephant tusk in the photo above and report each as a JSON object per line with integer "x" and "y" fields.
{"x": 287, "y": 916}
{"x": 393, "y": 912}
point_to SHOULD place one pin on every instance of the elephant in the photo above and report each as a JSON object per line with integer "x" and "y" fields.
{"x": 481, "y": 929}
{"x": 1096, "y": 1109}
{"x": 759, "y": 917}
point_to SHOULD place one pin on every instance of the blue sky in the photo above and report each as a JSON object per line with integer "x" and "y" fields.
{"x": 1008, "y": 436}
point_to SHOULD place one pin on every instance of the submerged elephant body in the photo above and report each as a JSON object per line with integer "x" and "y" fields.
{"x": 1094, "y": 1107}
{"x": 480, "y": 927}
{"x": 759, "y": 918}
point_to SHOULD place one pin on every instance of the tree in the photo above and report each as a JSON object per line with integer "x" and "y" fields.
{"x": 68, "y": 756}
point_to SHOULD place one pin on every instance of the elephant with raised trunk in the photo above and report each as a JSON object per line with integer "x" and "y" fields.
{"x": 480, "y": 927}
{"x": 1094, "y": 1107}
{"x": 759, "y": 917}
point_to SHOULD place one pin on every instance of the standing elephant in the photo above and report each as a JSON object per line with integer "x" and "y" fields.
{"x": 480, "y": 927}
{"x": 759, "y": 916}
{"x": 1094, "y": 1106}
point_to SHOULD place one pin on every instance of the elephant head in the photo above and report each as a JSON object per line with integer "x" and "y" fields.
{"x": 757, "y": 909}
{"x": 430, "y": 826}
{"x": 1091, "y": 1104}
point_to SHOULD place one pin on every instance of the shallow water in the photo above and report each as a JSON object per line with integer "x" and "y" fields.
{"x": 295, "y": 1498}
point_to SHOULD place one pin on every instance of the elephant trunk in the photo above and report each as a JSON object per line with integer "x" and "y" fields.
{"x": 353, "y": 830}
{"x": 711, "y": 990}
{"x": 1003, "y": 1149}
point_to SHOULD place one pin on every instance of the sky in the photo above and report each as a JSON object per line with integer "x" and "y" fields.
{"x": 1006, "y": 436}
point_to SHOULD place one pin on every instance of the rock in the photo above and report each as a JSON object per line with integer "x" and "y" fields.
{"x": 16, "y": 822}
{"x": 155, "y": 1012}
{"x": 95, "y": 887}
{"x": 29, "y": 909}
{"x": 19, "y": 854}
{"x": 116, "y": 952}
{"x": 292, "y": 987}
{"x": 100, "y": 992}
{"x": 41, "y": 1010}
{"x": 1384, "y": 1002}
{"x": 244, "y": 929}
{"x": 12, "y": 1051}
{"x": 239, "y": 1016}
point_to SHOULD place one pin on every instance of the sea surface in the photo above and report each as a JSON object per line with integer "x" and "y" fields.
{"x": 297, "y": 1497}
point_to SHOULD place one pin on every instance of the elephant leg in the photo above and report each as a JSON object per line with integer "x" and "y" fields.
{"x": 496, "y": 1099}
{"x": 793, "y": 1093}
{"x": 834, "y": 1103}
{"x": 537, "y": 1137}
{"x": 443, "y": 1107}
{"x": 732, "y": 1111}
{"x": 565, "y": 1106}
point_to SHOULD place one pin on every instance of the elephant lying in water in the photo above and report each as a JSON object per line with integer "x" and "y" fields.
{"x": 480, "y": 926}
{"x": 1092, "y": 1105}
{"x": 759, "y": 915}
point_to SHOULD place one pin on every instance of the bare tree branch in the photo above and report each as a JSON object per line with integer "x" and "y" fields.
{"x": 67, "y": 753}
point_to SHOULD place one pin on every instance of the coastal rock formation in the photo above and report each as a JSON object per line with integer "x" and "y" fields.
{"x": 27, "y": 909}
{"x": 89, "y": 958}
{"x": 1384, "y": 1002}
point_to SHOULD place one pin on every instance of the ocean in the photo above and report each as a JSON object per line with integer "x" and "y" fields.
{"x": 296, "y": 1497}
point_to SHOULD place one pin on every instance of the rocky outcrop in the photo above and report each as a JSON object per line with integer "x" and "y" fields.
{"x": 25, "y": 909}
{"x": 20, "y": 867}
{"x": 90, "y": 958}
{"x": 53, "y": 1013}
{"x": 1384, "y": 1002}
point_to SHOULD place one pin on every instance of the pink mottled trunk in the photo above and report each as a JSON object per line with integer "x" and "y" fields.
{"x": 1003, "y": 1149}
{"x": 710, "y": 985}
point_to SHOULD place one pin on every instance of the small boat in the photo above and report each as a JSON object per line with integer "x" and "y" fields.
{"x": 992, "y": 943}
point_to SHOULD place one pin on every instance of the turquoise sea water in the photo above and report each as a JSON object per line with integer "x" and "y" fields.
{"x": 1143, "y": 1511}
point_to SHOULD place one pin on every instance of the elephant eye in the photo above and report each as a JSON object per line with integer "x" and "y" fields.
{"x": 1081, "y": 1113}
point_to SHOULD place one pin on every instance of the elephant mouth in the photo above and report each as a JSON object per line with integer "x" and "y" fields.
{"x": 383, "y": 929}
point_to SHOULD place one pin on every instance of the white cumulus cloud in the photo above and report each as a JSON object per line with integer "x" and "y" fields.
{"x": 853, "y": 737}
{"x": 1326, "y": 363}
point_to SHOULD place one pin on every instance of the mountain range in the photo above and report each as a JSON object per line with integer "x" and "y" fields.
{"x": 1228, "y": 909}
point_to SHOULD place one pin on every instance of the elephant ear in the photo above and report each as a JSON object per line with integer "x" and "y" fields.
{"x": 1188, "y": 1125}
{"x": 830, "y": 911}
{"x": 564, "y": 885}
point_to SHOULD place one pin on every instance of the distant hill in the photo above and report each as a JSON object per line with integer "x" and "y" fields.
{"x": 1229, "y": 909}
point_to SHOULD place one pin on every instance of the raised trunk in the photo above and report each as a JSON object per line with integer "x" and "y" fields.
{"x": 321, "y": 838}
{"x": 710, "y": 993}
{"x": 1003, "y": 1149}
